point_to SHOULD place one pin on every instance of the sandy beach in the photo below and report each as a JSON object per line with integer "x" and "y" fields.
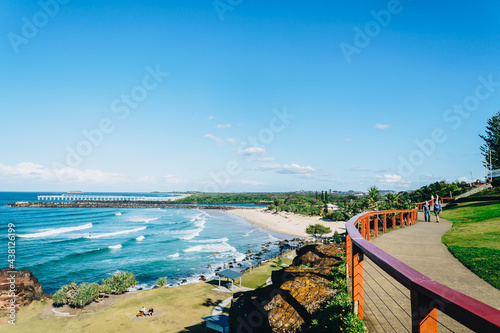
{"x": 285, "y": 223}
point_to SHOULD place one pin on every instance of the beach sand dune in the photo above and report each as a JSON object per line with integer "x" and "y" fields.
{"x": 285, "y": 223}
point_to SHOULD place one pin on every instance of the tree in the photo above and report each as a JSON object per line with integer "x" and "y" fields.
{"x": 492, "y": 141}
{"x": 392, "y": 199}
{"x": 373, "y": 196}
{"x": 317, "y": 230}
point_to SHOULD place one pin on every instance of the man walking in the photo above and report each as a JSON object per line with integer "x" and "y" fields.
{"x": 427, "y": 212}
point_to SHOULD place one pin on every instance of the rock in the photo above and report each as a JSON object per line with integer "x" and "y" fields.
{"x": 183, "y": 281}
{"x": 202, "y": 278}
{"x": 215, "y": 253}
{"x": 249, "y": 251}
{"x": 209, "y": 266}
{"x": 26, "y": 286}
{"x": 294, "y": 298}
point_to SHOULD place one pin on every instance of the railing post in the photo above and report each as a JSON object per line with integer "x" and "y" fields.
{"x": 385, "y": 223}
{"x": 363, "y": 228}
{"x": 348, "y": 254}
{"x": 424, "y": 314}
{"x": 394, "y": 221}
{"x": 357, "y": 280}
{"x": 401, "y": 220}
{"x": 375, "y": 225}
{"x": 367, "y": 221}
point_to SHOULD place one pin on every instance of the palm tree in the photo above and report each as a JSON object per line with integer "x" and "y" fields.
{"x": 392, "y": 199}
{"x": 373, "y": 197}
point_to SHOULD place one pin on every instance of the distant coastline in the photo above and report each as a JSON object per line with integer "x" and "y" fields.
{"x": 119, "y": 204}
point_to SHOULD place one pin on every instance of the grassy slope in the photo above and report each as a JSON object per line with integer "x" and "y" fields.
{"x": 475, "y": 238}
{"x": 183, "y": 307}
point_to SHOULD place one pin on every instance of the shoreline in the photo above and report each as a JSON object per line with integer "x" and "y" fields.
{"x": 285, "y": 223}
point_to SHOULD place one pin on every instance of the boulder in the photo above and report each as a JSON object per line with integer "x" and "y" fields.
{"x": 294, "y": 298}
{"x": 23, "y": 283}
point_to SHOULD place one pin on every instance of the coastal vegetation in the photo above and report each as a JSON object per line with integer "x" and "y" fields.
{"x": 79, "y": 296}
{"x": 336, "y": 315}
{"x": 474, "y": 238}
{"x": 317, "y": 230}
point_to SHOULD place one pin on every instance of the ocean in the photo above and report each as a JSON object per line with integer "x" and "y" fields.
{"x": 60, "y": 245}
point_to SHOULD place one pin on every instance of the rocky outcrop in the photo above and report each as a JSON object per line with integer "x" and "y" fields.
{"x": 291, "y": 302}
{"x": 23, "y": 284}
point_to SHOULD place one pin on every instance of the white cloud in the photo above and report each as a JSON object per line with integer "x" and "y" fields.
{"x": 253, "y": 151}
{"x": 464, "y": 179}
{"x": 251, "y": 182}
{"x": 288, "y": 169}
{"x": 233, "y": 141}
{"x": 394, "y": 179}
{"x": 224, "y": 126}
{"x": 214, "y": 138}
{"x": 172, "y": 179}
{"x": 347, "y": 140}
{"x": 33, "y": 171}
{"x": 265, "y": 159}
{"x": 428, "y": 177}
{"x": 211, "y": 117}
{"x": 382, "y": 126}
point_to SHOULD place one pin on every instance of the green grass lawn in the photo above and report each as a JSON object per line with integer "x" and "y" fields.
{"x": 257, "y": 278}
{"x": 182, "y": 309}
{"x": 474, "y": 238}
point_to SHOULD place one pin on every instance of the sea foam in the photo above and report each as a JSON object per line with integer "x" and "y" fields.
{"x": 58, "y": 231}
{"x": 116, "y": 233}
{"x": 114, "y": 247}
{"x": 140, "y": 238}
{"x": 219, "y": 247}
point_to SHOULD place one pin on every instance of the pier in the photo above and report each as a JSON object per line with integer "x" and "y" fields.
{"x": 92, "y": 197}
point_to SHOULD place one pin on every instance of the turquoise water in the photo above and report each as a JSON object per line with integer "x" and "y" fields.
{"x": 60, "y": 245}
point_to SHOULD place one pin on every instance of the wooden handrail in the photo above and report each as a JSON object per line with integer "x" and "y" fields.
{"x": 427, "y": 295}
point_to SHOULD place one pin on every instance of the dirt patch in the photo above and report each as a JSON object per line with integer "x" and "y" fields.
{"x": 104, "y": 303}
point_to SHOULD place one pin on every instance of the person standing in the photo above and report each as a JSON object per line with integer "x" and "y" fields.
{"x": 427, "y": 211}
{"x": 437, "y": 210}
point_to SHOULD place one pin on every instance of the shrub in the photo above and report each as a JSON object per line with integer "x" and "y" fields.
{"x": 63, "y": 295}
{"x": 118, "y": 283}
{"x": 336, "y": 237}
{"x": 161, "y": 281}
{"x": 59, "y": 298}
{"x": 85, "y": 294}
{"x": 336, "y": 316}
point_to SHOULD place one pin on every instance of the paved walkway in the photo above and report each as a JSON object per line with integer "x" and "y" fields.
{"x": 420, "y": 247}
{"x": 220, "y": 307}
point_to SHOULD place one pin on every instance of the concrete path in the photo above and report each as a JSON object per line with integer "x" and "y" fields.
{"x": 220, "y": 307}
{"x": 420, "y": 247}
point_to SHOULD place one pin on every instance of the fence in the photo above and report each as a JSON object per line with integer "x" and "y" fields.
{"x": 424, "y": 295}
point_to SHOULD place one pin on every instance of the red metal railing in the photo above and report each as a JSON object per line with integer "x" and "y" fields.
{"x": 425, "y": 293}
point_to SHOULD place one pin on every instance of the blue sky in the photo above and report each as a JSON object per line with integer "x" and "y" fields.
{"x": 244, "y": 95}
